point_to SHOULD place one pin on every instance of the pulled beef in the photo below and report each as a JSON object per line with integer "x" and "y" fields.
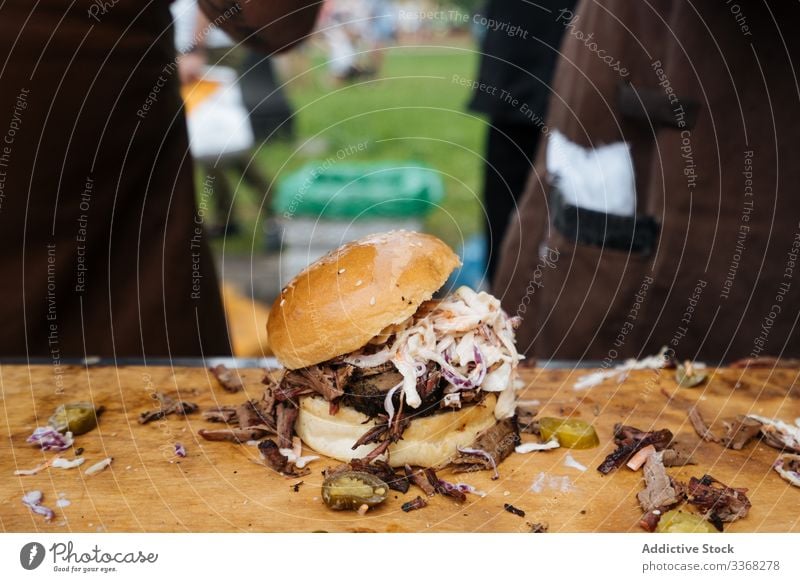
{"x": 268, "y": 398}
{"x": 719, "y": 502}
{"x": 234, "y": 435}
{"x": 227, "y": 378}
{"x": 490, "y": 447}
{"x": 247, "y": 422}
{"x": 285, "y": 416}
{"x": 629, "y": 441}
{"x": 420, "y": 479}
{"x": 538, "y": 527}
{"x": 430, "y": 483}
{"x": 368, "y": 387}
{"x": 430, "y": 388}
{"x": 277, "y": 461}
{"x": 375, "y": 434}
{"x": 384, "y": 434}
{"x": 700, "y": 426}
{"x": 740, "y": 432}
{"x": 779, "y": 438}
{"x": 678, "y": 454}
{"x": 515, "y": 510}
{"x": 526, "y": 419}
{"x": 226, "y": 414}
{"x": 248, "y": 415}
{"x": 443, "y": 487}
{"x": 649, "y": 521}
{"x": 660, "y": 491}
{"x": 167, "y": 406}
{"x": 327, "y": 381}
{"x": 416, "y": 503}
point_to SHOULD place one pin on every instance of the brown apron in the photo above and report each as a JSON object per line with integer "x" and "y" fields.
{"x": 102, "y": 248}
{"x": 707, "y": 96}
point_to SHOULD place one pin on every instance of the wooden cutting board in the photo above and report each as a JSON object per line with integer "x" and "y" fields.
{"x": 219, "y": 487}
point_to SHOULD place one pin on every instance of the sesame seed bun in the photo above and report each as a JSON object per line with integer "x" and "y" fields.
{"x": 428, "y": 441}
{"x": 346, "y": 298}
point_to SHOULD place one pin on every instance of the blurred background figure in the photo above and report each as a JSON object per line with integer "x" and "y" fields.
{"x": 381, "y": 31}
{"x": 104, "y": 252}
{"x": 664, "y": 200}
{"x": 234, "y": 103}
{"x": 340, "y": 27}
{"x": 518, "y": 58}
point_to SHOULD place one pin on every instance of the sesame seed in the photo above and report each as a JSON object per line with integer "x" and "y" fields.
{"x": 372, "y": 301}
{"x": 341, "y": 271}
{"x": 282, "y": 302}
{"x": 358, "y": 283}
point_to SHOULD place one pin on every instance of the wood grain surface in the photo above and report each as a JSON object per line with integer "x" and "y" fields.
{"x": 219, "y": 487}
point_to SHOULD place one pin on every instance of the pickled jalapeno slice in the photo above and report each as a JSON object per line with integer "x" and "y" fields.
{"x": 570, "y": 433}
{"x": 76, "y": 417}
{"x": 352, "y": 490}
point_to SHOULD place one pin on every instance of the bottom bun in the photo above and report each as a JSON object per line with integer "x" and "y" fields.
{"x": 428, "y": 441}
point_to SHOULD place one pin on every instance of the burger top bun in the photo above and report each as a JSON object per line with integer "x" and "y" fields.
{"x": 349, "y": 296}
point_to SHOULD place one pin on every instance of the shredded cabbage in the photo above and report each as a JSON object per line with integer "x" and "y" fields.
{"x": 467, "y": 334}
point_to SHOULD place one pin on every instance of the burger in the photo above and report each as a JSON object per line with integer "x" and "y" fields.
{"x": 379, "y": 369}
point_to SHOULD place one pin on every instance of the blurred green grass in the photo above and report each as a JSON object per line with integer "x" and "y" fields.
{"x": 412, "y": 110}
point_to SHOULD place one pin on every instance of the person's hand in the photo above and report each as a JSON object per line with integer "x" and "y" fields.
{"x": 191, "y": 67}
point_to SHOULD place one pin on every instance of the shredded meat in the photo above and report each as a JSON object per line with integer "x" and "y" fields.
{"x": 444, "y": 488}
{"x": 515, "y": 510}
{"x": 740, "y": 432}
{"x": 167, "y": 406}
{"x": 384, "y": 433}
{"x": 375, "y": 434}
{"x": 659, "y": 492}
{"x": 420, "y": 479}
{"x": 323, "y": 380}
{"x": 678, "y": 454}
{"x": 277, "y": 461}
{"x": 428, "y": 385}
{"x": 493, "y": 445}
{"x": 247, "y": 415}
{"x": 234, "y": 435}
{"x": 778, "y": 438}
{"x": 416, "y": 503}
{"x": 285, "y": 416}
{"x": 629, "y": 441}
{"x": 268, "y": 397}
{"x": 701, "y": 427}
{"x": 227, "y": 378}
{"x": 650, "y": 520}
{"x": 525, "y": 419}
{"x": 226, "y": 414}
{"x": 719, "y": 502}
{"x": 369, "y": 386}
{"x": 246, "y": 422}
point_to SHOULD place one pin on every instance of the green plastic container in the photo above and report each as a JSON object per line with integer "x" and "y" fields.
{"x": 337, "y": 191}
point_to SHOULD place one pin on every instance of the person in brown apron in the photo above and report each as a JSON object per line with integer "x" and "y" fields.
{"x": 103, "y": 248}
{"x": 706, "y": 94}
